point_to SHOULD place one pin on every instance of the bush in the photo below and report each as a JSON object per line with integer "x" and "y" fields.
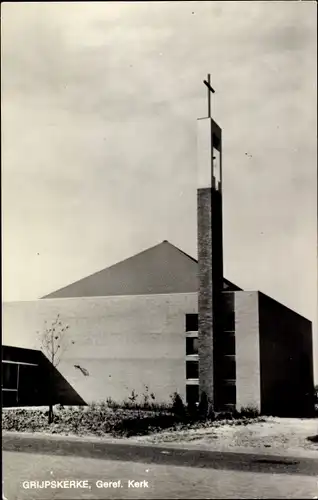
{"x": 97, "y": 418}
{"x": 313, "y": 439}
{"x": 249, "y": 412}
{"x": 224, "y": 415}
{"x": 203, "y": 409}
{"x": 178, "y": 407}
{"x": 192, "y": 412}
{"x": 122, "y": 419}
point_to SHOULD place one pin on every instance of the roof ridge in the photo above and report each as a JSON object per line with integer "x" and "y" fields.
{"x": 109, "y": 267}
{"x": 128, "y": 261}
{"x": 181, "y": 251}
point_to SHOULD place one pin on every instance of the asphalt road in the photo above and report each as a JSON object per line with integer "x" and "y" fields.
{"x": 159, "y": 472}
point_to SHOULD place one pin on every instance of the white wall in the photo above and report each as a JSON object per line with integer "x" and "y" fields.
{"x": 125, "y": 342}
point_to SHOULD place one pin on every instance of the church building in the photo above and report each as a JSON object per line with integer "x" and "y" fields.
{"x": 161, "y": 322}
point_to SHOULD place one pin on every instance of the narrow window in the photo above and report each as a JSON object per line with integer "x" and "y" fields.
{"x": 192, "y": 369}
{"x": 228, "y": 314}
{"x": 216, "y": 169}
{"x": 30, "y": 382}
{"x": 228, "y": 394}
{"x": 192, "y": 322}
{"x": 9, "y": 376}
{"x": 9, "y": 398}
{"x": 192, "y": 394}
{"x": 226, "y": 343}
{"x": 191, "y": 345}
{"x": 228, "y": 368}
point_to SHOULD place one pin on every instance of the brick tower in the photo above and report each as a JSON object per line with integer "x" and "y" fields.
{"x": 210, "y": 250}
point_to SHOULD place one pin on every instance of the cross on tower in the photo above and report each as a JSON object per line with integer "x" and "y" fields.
{"x": 210, "y": 89}
{"x": 216, "y": 156}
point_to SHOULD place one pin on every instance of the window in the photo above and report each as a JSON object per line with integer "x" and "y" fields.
{"x": 192, "y": 322}
{"x": 228, "y": 394}
{"x": 20, "y": 383}
{"x": 191, "y": 345}
{"x": 226, "y": 343}
{"x": 192, "y": 369}
{"x": 9, "y": 398}
{"x": 192, "y": 394}
{"x": 30, "y": 382}
{"x": 216, "y": 142}
{"x": 228, "y": 368}
{"x": 216, "y": 168}
{"x": 228, "y": 315}
{"x": 9, "y": 375}
{"x": 228, "y": 321}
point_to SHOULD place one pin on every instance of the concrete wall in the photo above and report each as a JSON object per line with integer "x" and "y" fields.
{"x": 124, "y": 342}
{"x": 247, "y": 350}
{"x": 286, "y": 356}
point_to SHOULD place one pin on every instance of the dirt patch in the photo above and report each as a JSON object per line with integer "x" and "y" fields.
{"x": 275, "y": 435}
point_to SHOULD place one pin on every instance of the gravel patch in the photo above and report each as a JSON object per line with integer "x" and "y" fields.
{"x": 272, "y": 436}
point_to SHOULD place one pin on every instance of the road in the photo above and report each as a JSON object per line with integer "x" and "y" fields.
{"x": 159, "y": 472}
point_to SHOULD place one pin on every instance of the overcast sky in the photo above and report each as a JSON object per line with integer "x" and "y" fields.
{"x": 99, "y": 109}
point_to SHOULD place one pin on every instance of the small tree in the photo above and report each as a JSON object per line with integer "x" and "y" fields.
{"x": 53, "y": 345}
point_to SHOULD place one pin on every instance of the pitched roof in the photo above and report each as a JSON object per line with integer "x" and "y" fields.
{"x": 163, "y": 268}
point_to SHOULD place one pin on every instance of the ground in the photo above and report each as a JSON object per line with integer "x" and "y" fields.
{"x": 164, "y": 480}
{"x": 277, "y": 436}
{"x": 272, "y": 436}
{"x": 177, "y": 464}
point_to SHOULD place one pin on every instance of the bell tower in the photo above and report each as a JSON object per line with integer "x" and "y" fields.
{"x": 210, "y": 248}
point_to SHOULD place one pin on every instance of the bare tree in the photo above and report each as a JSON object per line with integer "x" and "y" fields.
{"x": 54, "y": 342}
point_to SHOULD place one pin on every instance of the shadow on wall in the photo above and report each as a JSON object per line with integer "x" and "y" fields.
{"x": 287, "y": 402}
{"x": 29, "y": 379}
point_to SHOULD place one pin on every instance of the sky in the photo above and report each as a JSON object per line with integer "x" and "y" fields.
{"x": 99, "y": 110}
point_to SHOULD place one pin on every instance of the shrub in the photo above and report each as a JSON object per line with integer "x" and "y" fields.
{"x": 205, "y": 409}
{"x": 111, "y": 403}
{"x": 178, "y": 407}
{"x": 97, "y": 418}
{"x": 224, "y": 415}
{"x": 249, "y": 412}
{"x": 211, "y": 413}
{"x": 113, "y": 418}
{"x": 203, "y": 405}
{"x": 313, "y": 439}
{"x": 316, "y": 394}
{"x": 193, "y": 412}
{"x": 133, "y": 397}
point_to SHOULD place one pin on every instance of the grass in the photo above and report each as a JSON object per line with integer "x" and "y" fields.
{"x": 128, "y": 418}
